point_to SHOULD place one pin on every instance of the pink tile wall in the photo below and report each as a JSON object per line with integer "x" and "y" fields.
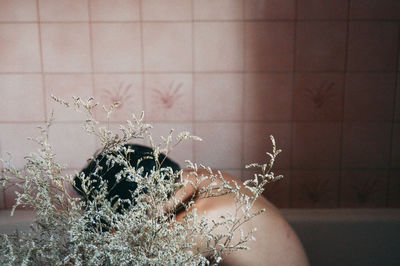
{"x": 322, "y": 76}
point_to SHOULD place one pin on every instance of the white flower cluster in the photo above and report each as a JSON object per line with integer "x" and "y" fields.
{"x": 73, "y": 231}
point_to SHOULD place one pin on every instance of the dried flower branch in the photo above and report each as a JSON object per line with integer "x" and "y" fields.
{"x": 73, "y": 231}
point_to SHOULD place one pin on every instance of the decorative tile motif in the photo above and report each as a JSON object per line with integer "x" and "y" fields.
{"x": 166, "y": 99}
{"x": 169, "y": 97}
{"x": 315, "y": 188}
{"x": 363, "y": 188}
{"x": 124, "y": 89}
{"x": 318, "y": 97}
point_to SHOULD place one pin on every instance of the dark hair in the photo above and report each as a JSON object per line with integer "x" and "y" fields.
{"x": 141, "y": 156}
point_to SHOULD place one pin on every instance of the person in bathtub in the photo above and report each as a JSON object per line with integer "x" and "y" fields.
{"x": 276, "y": 242}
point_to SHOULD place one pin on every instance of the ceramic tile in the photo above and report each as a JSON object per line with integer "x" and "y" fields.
{"x": 316, "y": 145}
{"x": 269, "y": 9}
{"x": 218, "y": 96}
{"x": 15, "y": 54}
{"x": 218, "y": 46}
{"x": 257, "y": 142}
{"x": 10, "y": 196}
{"x": 372, "y": 9}
{"x": 65, "y": 87}
{"x": 116, "y": 47}
{"x": 14, "y": 140}
{"x": 278, "y": 192}
{"x": 395, "y": 163}
{"x": 221, "y": 146}
{"x": 318, "y": 97}
{"x": 218, "y": 10}
{"x": 125, "y": 89}
{"x": 237, "y": 173}
{"x": 18, "y": 10}
{"x": 16, "y": 105}
{"x": 268, "y": 97}
{"x": 163, "y": 53}
{"x": 184, "y": 150}
{"x": 66, "y": 47}
{"x": 116, "y": 10}
{"x": 320, "y": 46}
{"x": 168, "y": 97}
{"x": 63, "y": 10}
{"x": 176, "y": 10}
{"x": 72, "y": 145}
{"x": 322, "y": 9}
{"x": 369, "y": 96}
{"x": 269, "y": 46}
{"x": 363, "y": 188}
{"x": 315, "y": 188}
{"x": 394, "y": 189}
{"x": 366, "y": 145}
{"x": 372, "y": 45}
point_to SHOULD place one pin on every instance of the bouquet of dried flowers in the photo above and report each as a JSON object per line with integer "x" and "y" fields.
{"x": 65, "y": 231}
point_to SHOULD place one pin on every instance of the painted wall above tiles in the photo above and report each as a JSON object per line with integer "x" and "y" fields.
{"x": 322, "y": 76}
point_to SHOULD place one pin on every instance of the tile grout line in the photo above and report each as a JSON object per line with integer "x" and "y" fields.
{"x": 345, "y": 68}
{"x": 190, "y": 72}
{"x": 203, "y": 21}
{"x": 292, "y": 106}
{"x": 242, "y": 172}
{"x": 396, "y": 84}
{"x": 142, "y": 60}
{"x": 92, "y": 61}
{"x": 194, "y": 87}
{"x": 44, "y": 92}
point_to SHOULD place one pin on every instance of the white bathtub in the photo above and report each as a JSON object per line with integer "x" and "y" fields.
{"x": 330, "y": 237}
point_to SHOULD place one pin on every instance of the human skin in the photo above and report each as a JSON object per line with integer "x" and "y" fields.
{"x": 276, "y": 242}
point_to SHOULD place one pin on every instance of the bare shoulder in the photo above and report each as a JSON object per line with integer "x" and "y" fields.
{"x": 276, "y": 242}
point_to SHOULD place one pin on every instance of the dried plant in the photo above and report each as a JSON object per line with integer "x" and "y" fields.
{"x": 67, "y": 230}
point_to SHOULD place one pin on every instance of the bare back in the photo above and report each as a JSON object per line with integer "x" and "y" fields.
{"x": 276, "y": 242}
